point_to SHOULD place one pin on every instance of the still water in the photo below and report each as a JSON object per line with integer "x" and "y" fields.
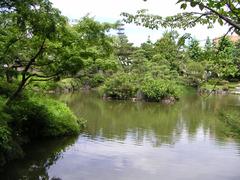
{"x": 144, "y": 141}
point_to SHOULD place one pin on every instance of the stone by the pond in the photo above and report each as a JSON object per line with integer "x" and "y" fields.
{"x": 168, "y": 100}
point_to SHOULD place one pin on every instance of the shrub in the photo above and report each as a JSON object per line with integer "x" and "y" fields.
{"x": 156, "y": 90}
{"x": 43, "y": 85}
{"x": 195, "y": 73}
{"x": 96, "y": 80}
{"x": 60, "y": 120}
{"x": 120, "y": 86}
{"x": 7, "y": 89}
{"x": 30, "y": 118}
{"x": 40, "y": 117}
{"x": 9, "y": 149}
{"x": 68, "y": 83}
{"x": 126, "y": 85}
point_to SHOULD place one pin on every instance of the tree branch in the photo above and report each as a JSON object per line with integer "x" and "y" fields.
{"x": 232, "y": 9}
{"x": 33, "y": 59}
{"x": 198, "y": 18}
{"x": 229, "y": 21}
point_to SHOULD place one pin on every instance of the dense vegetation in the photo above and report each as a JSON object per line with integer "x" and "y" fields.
{"x": 32, "y": 118}
{"x": 41, "y": 51}
{"x": 159, "y": 70}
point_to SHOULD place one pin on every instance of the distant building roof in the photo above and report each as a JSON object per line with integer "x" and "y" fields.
{"x": 234, "y": 38}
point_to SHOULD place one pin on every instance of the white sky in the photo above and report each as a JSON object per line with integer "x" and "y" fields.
{"x": 109, "y": 11}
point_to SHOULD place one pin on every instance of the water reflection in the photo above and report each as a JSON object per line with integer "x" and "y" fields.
{"x": 125, "y": 140}
{"x": 116, "y": 120}
{"x": 39, "y": 158}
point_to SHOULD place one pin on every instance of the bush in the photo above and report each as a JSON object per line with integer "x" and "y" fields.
{"x": 9, "y": 149}
{"x": 6, "y": 89}
{"x": 120, "y": 86}
{"x": 93, "y": 81}
{"x": 68, "y": 83}
{"x": 195, "y": 73}
{"x": 41, "y": 117}
{"x": 60, "y": 120}
{"x": 126, "y": 85}
{"x": 30, "y": 118}
{"x": 156, "y": 90}
{"x": 43, "y": 85}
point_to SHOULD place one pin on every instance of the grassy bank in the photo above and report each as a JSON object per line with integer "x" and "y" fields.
{"x": 30, "y": 118}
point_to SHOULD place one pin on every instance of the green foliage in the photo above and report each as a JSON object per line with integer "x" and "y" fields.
{"x": 40, "y": 117}
{"x": 38, "y": 44}
{"x": 60, "y": 120}
{"x": 217, "y": 60}
{"x": 195, "y": 73}
{"x": 96, "y": 72}
{"x": 69, "y": 84}
{"x": 225, "y": 65}
{"x": 148, "y": 49}
{"x": 120, "y": 86}
{"x": 160, "y": 63}
{"x": 6, "y": 89}
{"x": 35, "y": 117}
{"x": 194, "y": 50}
{"x": 108, "y": 64}
{"x": 43, "y": 85}
{"x": 5, "y": 133}
{"x": 156, "y": 90}
{"x": 9, "y": 149}
{"x": 127, "y": 85}
{"x": 96, "y": 80}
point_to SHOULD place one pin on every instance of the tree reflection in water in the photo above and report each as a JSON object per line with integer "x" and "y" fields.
{"x": 124, "y": 121}
{"x": 40, "y": 156}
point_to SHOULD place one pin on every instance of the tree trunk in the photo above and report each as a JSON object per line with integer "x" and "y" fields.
{"x": 24, "y": 75}
{"x": 9, "y": 76}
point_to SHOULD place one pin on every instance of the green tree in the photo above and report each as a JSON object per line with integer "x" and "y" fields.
{"x": 224, "y": 63}
{"x": 236, "y": 56}
{"x": 208, "y": 50}
{"x": 124, "y": 50}
{"x": 194, "y": 50}
{"x": 39, "y": 44}
{"x": 30, "y": 27}
{"x": 96, "y": 48}
{"x": 148, "y": 48}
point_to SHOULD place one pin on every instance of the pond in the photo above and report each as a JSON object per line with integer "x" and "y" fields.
{"x": 134, "y": 140}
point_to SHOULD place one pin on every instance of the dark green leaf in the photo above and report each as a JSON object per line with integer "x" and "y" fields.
{"x": 184, "y": 6}
{"x": 220, "y": 21}
{"x": 193, "y": 3}
{"x": 201, "y": 7}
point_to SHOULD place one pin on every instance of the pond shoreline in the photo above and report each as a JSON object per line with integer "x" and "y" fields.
{"x": 126, "y": 139}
